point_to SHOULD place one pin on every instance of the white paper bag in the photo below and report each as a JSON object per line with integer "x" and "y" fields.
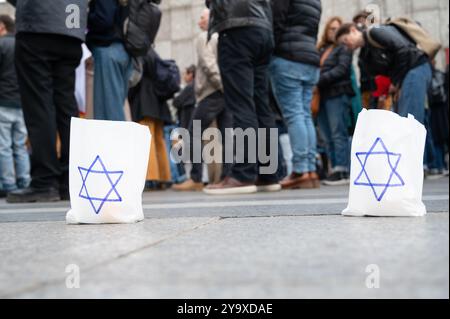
{"x": 107, "y": 171}
{"x": 386, "y": 166}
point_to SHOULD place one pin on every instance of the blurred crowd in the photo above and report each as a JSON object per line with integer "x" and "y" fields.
{"x": 260, "y": 65}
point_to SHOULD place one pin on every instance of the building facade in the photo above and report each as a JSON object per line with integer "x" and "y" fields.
{"x": 179, "y": 24}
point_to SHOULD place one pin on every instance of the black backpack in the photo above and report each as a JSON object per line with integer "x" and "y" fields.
{"x": 167, "y": 78}
{"x": 141, "y": 26}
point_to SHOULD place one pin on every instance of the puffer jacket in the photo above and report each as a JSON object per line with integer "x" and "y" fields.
{"x": 389, "y": 52}
{"x": 228, "y": 14}
{"x": 335, "y": 75}
{"x": 296, "y": 25}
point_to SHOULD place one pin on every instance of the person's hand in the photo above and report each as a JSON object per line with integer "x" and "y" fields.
{"x": 393, "y": 89}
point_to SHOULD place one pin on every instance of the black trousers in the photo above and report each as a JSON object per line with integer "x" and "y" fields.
{"x": 46, "y": 66}
{"x": 210, "y": 109}
{"x": 244, "y": 57}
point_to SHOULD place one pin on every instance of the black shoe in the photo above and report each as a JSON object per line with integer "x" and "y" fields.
{"x": 33, "y": 195}
{"x": 3, "y": 194}
{"x": 337, "y": 179}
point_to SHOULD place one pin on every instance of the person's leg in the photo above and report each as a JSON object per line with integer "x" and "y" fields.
{"x": 7, "y": 175}
{"x": 225, "y": 122}
{"x": 204, "y": 114}
{"x": 311, "y": 76}
{"x": 34, "y": 72}
{"x": 237, "y": 70}
{"x": 21, "y": 156}
{"x": 325, "y": 131}
{"x": 63, "y": 72}
{"x": 414, "y": 92}
{"x": 112, "y": 68}
{"x": 288, "y": 90}
{"x": 337, "y": 116}
{"x": 266, "y": 117}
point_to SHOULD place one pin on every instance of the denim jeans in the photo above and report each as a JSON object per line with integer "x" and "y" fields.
{"x": 14, "y": 158}
{"x": 293, "y": 85}
{"x": 112, "y": 69}
{"x": 176, "y": 170}
{"x": 414, "y": 92}
{"x": 333, "y": 120}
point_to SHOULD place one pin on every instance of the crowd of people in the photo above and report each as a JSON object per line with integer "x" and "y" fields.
{"x": 260, "y": 65}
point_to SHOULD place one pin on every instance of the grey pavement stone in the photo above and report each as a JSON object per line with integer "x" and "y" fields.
{"x": 295, "y": 246}
{"x": 284, "y": 257}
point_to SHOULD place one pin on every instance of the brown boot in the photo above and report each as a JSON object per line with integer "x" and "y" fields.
{"x": 315, "y": 179}
{"x": 297, "y": 181}
{"x": 188, "y": 186}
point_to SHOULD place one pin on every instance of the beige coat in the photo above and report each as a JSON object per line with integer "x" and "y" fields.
{"x": 207, "y": 78}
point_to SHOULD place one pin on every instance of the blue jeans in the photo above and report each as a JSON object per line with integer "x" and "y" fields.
{"x": 332, "y": 120}
{"x": 14, "y": 158}
{"x": 175, "y": 170}
{"x": 293, "y": 84}
{"x": 414, "y": 92}
{"x": 111, "y": 73}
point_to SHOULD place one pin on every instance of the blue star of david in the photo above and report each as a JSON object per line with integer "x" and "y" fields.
{"x": 113, "y": 178}
{"x": 393, "y": 159}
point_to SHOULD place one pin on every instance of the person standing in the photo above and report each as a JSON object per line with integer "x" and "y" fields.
{"x": 210, "y": 101}
{"x": 336, "y": 90}
{"x": 14, "y": 158}
{"x": 245, "y": 47}
{"x": 294, "y": 73}
{"x": 112, "y": 63}
{"x": 48, "y": 50}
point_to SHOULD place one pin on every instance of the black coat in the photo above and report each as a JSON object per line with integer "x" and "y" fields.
{"x": 144, "y": 103}
{"x": 185, "y": 105}
{"x": 390, "y": 53}
{"x": 296, "y": 25}
{"x": 104, "y": 22}
{"x": 228, "y": 14}
{"x": 336, "y": 73}
{"x": 9, "y": 87}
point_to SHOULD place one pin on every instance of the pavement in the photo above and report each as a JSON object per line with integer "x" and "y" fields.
{"x": 292, "y": 244}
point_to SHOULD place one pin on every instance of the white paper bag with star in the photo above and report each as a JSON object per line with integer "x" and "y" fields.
{"x": 386, "y": 176}
{"x": 107, "y": 171}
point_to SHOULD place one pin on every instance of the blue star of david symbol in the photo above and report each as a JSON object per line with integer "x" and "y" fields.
{"x": 99, "y": 197}
{"x": 384, "y": 157}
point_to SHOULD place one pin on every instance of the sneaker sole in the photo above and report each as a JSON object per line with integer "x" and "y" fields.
{"x": 232, "y": 191}
{"x": 434, "y": 177}
{"x": 198, "y": 189}
{"x": 269, "y": 188}
{"x": 337, "y": 183}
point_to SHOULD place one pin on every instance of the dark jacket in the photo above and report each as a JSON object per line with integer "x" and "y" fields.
{"x": 105, "y": 21}
{"x": 185, "y": 105}
{"x": 336, "y": 73}
{"x": 296, "y": 25}
{"x": 228, "y": 14}
{"x": 437, "y": 100}
{"x": 393, "y": 54}
{"x": 49, "y": 16}
{"x": 144, "y": 103}
{"x": 9, "y": 88}
{"x": 367, "y": 80}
